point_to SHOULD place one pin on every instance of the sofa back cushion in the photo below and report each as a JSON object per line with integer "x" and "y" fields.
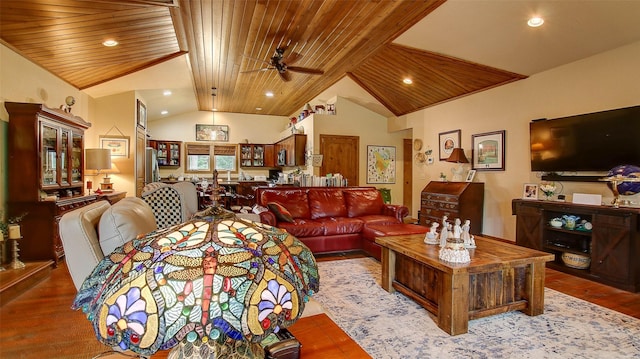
{"x": 363, "y": 202}
{"x": 295, "y": 200}
{"x": 327, "y": 203}
{"x": 124, "y": 221}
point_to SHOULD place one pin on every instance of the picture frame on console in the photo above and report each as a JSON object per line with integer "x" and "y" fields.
{"x": 447, "y": 142}
{"x": 488, "y": 151}
{"x": 530, "y": 191}
{"x": 470, "y": 175}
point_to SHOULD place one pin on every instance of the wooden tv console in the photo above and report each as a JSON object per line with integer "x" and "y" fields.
{"x": 613, "y": 244}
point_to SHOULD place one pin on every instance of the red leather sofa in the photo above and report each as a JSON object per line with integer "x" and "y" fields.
{"x": 329, "y": 219}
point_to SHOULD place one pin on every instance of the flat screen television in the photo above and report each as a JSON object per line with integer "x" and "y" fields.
{"x": 595, "y": 141}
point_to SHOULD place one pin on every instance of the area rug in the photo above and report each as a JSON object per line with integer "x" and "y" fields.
{"x": 393, "y": 326}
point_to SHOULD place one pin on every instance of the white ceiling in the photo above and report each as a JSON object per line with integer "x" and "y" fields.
{"x": 488, "y": 32}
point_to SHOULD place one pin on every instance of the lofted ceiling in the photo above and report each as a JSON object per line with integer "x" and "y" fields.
{"x": 449, "y": 49}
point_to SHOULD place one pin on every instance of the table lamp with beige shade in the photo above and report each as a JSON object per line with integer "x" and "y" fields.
{"x": 98, "y": 160}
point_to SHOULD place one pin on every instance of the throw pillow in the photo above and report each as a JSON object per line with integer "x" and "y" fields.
{"x": 282, "y": 214}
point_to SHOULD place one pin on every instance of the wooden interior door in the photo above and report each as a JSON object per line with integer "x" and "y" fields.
{"x": 340, "y": 155}
{"x": 407, "y": 174}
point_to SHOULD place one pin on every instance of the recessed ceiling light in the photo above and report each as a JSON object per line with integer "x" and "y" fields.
{"x": 407, "y": 81}
{"x": 535, "y": 21}
{"x": 164, "y": 112}
{"x": 269, "y": 94}
{"x": 258, "y": 108}
{"x": 110, "y": 43}
{"x": 167, "y": 93}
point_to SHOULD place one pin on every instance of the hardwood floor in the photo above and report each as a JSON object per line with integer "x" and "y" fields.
{"x": 40, "y": 323}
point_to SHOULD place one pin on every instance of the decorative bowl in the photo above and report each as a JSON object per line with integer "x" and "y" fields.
{"x": 556, "y": 223}
{"x": 577, "y": 261}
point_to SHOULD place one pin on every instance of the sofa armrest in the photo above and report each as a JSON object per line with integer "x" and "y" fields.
{"x": 395, "y": 210}
{"x": 268, "y": 217}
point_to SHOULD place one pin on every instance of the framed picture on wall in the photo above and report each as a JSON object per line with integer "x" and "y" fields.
{"x": 218, "y": 133}
{"x": 488, "y": 151}
{"x": 141, "y": 114}
{"x": 381, "y": 164}
{"x": 448, "y": 141}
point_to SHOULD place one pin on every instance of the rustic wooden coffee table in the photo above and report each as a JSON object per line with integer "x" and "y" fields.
{"x": 501, "y": 277}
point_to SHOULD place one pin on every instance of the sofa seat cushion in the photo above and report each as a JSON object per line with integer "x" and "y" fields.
{"x": 325, "y": 203}
{"x": 340, "y": 225}
{"x": 363, "y": 202}
{"x": 378, "y": 219}
{"x": 303, "y": 227}
{"x": 124, "y": 221}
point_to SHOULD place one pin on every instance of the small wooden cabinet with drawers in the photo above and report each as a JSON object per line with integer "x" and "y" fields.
{"x": 464, "y": 200}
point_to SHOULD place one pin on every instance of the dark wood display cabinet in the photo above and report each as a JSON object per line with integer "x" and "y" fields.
{"x": 464, "y": 200}
{"x": 167, "y": 152}
{"x": 290, "y": 151}
{"x": 46, "y": 174}
{"x": 612, "y": 245}
{"x": 255, "y": 155}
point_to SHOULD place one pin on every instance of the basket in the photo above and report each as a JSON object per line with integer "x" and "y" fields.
{"x": 577, "y": 261}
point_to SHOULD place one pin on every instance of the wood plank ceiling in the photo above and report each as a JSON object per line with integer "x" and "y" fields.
{"x": 229, "y": 41}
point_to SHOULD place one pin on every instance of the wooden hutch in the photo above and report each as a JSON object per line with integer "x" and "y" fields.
{"x": 46, "y": 174}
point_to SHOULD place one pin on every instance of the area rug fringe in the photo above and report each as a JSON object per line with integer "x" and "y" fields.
{"x": 393, "y": 326}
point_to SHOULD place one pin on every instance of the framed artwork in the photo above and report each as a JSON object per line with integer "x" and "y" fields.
{"x": 141, "y": 114}
{"x": 118, "y": 145}
{"x": 488, "y": 151}
{"x": 381, "y": 164}
{"x": 218, "y": 133}
{"x": 470, "y": 175}
{"x": 530, "y": 191}
{"x": 448, "y": 141}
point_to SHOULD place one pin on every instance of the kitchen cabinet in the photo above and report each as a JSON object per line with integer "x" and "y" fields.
{"x": 290, "y": 151}
{"x": 257, "y": 155}
{"x": 167, "y": 152}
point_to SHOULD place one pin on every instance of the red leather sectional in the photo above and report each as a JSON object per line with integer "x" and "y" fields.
{"x": 331, "y": 219}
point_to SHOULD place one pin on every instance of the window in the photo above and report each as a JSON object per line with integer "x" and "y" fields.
{"x": 225, "y": 157}
{"x": 198, "y": 157}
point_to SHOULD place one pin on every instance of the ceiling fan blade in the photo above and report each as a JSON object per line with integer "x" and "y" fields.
{"x": 284, "y": 76}
{"x": 258, "y": 60}
{"x": 291, "y": 58}
{"x": 305, "y": 70}
{"x": 258, "y": 70}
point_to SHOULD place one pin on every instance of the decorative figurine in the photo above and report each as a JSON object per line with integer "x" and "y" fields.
{"x": 444, "y": 234}
{"x": 468, "y": 239}
{"x": 432, "y": 236}
{"x": 457, "y": 230}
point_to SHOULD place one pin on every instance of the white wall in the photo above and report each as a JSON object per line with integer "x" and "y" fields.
{"x": 605, "y": 81}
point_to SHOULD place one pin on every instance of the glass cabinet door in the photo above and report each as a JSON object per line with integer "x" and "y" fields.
{"x": 76, "y": 158}
{"x": 64, "y": 153}
{"x": 49, "y": 155}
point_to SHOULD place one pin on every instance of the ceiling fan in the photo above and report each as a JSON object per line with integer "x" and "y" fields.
{"x": 282, "y": 65}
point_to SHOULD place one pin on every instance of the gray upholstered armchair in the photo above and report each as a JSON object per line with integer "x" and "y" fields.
{"x": 93, "y": 231}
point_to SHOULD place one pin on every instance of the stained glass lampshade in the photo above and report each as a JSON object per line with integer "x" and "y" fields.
{"x": 214, "y": 281}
